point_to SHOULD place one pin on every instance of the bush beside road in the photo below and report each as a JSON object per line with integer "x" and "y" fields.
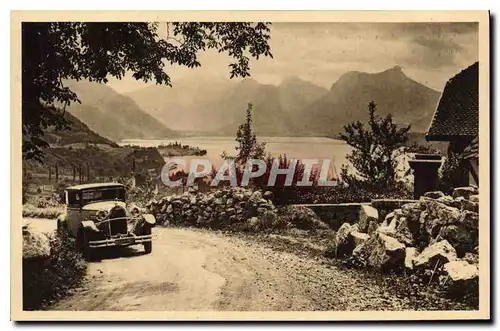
{"x": 51, "y": 267}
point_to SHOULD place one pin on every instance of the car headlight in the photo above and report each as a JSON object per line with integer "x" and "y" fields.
{"x": 101, "y": 215}
{"x": 134, "y": 211}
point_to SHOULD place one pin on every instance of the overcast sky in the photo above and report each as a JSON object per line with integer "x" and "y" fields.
{"x": 430, "y": 53}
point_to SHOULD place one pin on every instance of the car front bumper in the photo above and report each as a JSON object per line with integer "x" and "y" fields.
{"x": 120, "y": 241}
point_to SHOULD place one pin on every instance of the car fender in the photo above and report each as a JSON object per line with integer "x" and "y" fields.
{"x": 144, "y": 224}
{"x": 149, "y": 218}
{"x": 62, "y": 217}
{"x": 62, "y": 222}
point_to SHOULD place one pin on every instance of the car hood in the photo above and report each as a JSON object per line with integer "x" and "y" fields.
{"x": 104, "y": 205}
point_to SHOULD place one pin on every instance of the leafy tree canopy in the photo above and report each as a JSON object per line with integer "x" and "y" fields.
{"x": 57, "y": 51}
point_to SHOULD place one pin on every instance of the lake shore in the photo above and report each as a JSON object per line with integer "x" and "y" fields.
{"x": 320, "y": 148}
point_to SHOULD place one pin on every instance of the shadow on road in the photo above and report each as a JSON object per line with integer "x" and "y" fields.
{"x": 117, "y": 252}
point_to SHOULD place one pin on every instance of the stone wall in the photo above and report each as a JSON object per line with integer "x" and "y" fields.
{"x": 232, "y": 209}
{"x": 218, "y": 209}
{"x": 336, "y": 214}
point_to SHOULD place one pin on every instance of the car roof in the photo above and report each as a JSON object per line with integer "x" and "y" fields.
{"x": 92, "y": 186}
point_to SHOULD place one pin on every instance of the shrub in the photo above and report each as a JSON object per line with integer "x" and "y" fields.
{"x": 450, "y": 173}
{"x": 273, "y": 221}
{"x": 376, "y": 151}
{"x": 52, "y": 200}
{"x": 302, "y": 218}
{"x": 49, "y": 278}
{"x": 35, "y": 212}
{"x": 284, "y": 194}
{"x": 248, "y": 147}
{"x": 338, "y": 194}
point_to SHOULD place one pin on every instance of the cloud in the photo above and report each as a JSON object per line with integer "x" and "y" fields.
{"x": 444, "y": 45}
{"x": 320, "y": 52}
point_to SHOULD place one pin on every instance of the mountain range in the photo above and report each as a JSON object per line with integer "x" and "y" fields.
{"x": 347, "y": 100}
{"x": 217, "y": 106}
{"x": 293, "y": 108}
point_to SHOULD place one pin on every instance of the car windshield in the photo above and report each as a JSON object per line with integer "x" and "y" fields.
{"x": 105, "y": 194}
{"x": 81, "y": 198}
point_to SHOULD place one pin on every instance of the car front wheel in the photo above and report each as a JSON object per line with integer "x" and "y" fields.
{"x": 148, "y": 246}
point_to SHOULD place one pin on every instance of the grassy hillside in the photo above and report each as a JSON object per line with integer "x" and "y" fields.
{"x": 113, "y": 115}
{"x": 78, "y": 133}
{"x": 102, "y": 162}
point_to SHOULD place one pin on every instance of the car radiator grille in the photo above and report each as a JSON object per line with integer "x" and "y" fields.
{"x": 118, "y": 226}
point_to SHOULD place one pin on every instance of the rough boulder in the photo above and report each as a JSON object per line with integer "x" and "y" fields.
{"x": 344, "y": 243}
{"x": 367, "y": 214}
{"x": 441, "y": 251}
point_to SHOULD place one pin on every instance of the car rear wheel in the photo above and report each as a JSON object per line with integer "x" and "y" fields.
{"x": 82, "y": 245}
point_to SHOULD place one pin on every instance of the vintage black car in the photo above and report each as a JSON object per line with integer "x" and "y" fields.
{"x": 97, "y": 216}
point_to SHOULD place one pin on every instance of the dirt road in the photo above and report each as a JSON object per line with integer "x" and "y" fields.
{"x": 202, "y": 270}
{"x": 195, "y": 270}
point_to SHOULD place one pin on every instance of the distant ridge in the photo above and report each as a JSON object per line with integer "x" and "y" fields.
{"x": 78, "y": 133}
{"x": 295, "y": 107}
{"x": 407, "y": 100}
{"x": 113, "y": 115}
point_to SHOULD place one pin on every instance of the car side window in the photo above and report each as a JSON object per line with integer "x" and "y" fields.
{"x": 74, "y": 199}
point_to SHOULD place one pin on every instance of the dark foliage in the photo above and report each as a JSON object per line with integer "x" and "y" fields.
{"x": 93, "y": 163}
{"x": 248, "y": 147}
{"x": 421, "y": 149}
{"x": 46, "y": 279}
{"x": 283, "y": 193}
{"x": 375, "y": 151}
{"x": 345, "y": 194}
{"x": 451, "y": 173}
{"x": 57, "y": 51}
{"x": 176, "y": 149}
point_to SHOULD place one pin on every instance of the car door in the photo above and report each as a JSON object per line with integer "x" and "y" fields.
{"x": 74, "y": 209}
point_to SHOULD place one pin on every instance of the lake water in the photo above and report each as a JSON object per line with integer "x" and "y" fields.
{"x": 294, "y": 147}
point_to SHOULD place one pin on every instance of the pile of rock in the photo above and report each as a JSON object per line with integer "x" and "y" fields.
{"x": 218, "y": 209}
{"x": 435, "y": 238}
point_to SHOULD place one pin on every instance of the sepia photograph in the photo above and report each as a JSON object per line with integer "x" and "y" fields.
{"x": 250, "y": 165}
